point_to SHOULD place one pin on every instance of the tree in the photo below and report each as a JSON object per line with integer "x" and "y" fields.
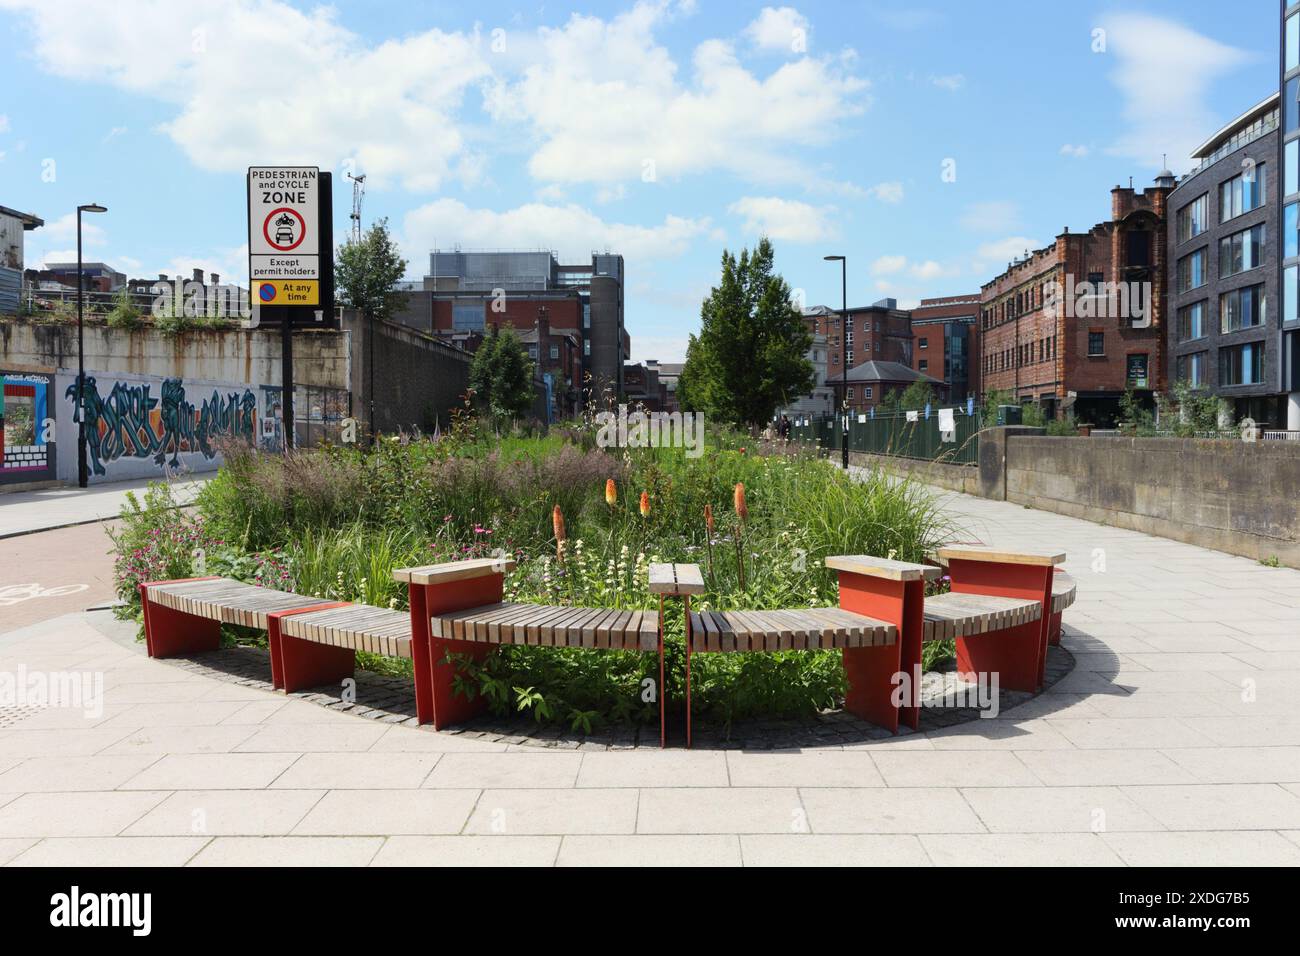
{"x": 501, "y": 375}
{"x": 750, "y": 355}
{"x": 916, "y": 396}
{"x": 366, "y": 272}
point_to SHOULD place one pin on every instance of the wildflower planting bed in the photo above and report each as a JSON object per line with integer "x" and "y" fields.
{"x": 583, "y": 525}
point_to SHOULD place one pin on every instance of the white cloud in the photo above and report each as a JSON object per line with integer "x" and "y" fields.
{"x": 1165, "y": 107}
{"x": 991, "y": 216}
{"x": 64, "y": 229}
{"x": 113, "y": 133}
{"x": 927, "y": 270}
{"x": 1002, "y": 251}
{"x": 4, "y": 123}
{"x": 569, "y": 229}
{"x": 887, "y": 192}
{"x": 779, "y": 30}
{"x": 254, "y": 79}
{"x": 951, "y": 82}
{"x": 1076, "y": 152}
{"x": 888, "y": 265}
{"x": 607, "y": 104}
{"x": 780, "y": 218}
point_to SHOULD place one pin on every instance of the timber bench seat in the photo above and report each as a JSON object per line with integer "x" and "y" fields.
{"x": 955, "y": 615}
{"x": 821, "y": 628}
{"x": 550, "y": 626}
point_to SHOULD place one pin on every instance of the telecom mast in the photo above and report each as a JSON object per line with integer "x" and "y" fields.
{"x": 358, "y": 193}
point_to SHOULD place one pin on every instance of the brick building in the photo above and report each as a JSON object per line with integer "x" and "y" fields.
{"x": 945, "y": 343}
{"x": 465, "y": 292}
{"x": 881, "y": 332}
{"x": 1072, "y": 325}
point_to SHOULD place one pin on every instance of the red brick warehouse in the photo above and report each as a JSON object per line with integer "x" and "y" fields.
{"x": 1074, "y": 324}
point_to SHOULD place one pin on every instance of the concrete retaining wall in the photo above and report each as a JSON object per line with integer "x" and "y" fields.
{"x": 963, "y": 478}
{"x": 1234, "y": 496}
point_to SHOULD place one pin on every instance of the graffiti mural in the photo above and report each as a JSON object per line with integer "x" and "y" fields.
{"x": 132, "y": 422}
{"x": 26, "y": 438}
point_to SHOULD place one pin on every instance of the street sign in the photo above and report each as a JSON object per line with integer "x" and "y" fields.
{"x": 284, "y": 237}
{"x": 287, "y": 292}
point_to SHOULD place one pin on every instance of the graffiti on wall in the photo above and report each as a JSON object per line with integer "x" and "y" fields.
{"x": 26, "y": 436}
{"x": 131, "y": 422}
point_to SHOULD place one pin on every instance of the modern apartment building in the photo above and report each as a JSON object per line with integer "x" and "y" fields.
{"x": 945, "y": 344}
{"x": 1288, "y": 337}
{"x": 1074, "y": 324}
{"x": 466, "y": 292}
{"x": 1225, "y": 334}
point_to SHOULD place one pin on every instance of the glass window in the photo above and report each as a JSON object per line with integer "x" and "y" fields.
{"x": 1192, "y": 218}
{"x": 467, "y": 317}
{"x": 1096, "y": 343}
{"x": 1192, "y": 368}
{"x": 1292, "y": 42}
{"x": 1242, "y": 192}
{"x": 1241, "y": 251}
{"x": 1242, "y": 364}
{"x": 1290, "y": 301}
{"x": 1290, "y": 108}
{"x": 1241, "y": 308}
{"x": 1292, "y": 171}
{"x": 1291, "y": 230}
{"x": 924, "y": 365}
{"x": 555, "y": 351}
{"x": 1191, "y": 321}
{"x": 924, "y": 343}
{"x": 1191, "y": 271}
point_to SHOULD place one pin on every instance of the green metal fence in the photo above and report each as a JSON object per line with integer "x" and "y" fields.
{"x": 892, "y": 433}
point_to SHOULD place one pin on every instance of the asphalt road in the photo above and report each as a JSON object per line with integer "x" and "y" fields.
{"x": 50, "y": 573}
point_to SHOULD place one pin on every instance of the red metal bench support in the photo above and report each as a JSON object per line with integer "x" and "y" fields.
{"x": 172, "y": 633}
{"x": 297, "y": 664}
{"x": 874, "y": 673}
{"x": 1018, "y": 655}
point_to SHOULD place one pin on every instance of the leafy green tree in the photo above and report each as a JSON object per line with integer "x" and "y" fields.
{"x": 366, "y": 272}
{"x": 750, "y": 355}
{"x": 501, "y": 375}
{"x": 916, "y": 396}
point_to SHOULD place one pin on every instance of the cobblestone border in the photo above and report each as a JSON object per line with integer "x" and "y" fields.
{"x": 391, "y": 700}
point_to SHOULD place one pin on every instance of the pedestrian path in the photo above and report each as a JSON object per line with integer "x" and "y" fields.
{"x": 1175, "y": 740}
{"x": 25, "y": 512}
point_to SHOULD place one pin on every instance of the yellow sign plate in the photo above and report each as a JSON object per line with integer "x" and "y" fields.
{"x": 287, "y": 292}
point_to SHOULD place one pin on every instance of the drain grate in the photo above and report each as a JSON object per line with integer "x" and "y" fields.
{"x": 13, "y": 716}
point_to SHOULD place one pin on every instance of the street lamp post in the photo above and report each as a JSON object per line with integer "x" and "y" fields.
{"x": 844, "y": 355}
{"x": 82, "y": 478}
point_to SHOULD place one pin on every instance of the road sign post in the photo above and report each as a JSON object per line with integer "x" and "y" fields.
{"x": 290, "y": 259}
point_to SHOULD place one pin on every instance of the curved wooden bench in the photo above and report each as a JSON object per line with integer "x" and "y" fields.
{"x": 821, "y": 628}
{"x": 550, "y": 626}
{"x": 949, "y": 616}
{"x": 185, "y": 617}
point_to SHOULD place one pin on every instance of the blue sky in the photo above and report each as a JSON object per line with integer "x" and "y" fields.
{"x": 663, "y": 130}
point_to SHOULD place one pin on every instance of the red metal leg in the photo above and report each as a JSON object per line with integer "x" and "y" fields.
{"x": 1054, "y": 634}
{"x": 294, "y": 665}
{"x": 1018, "y": 655}
{"x": 435, "y": 699}
{"x": 659, "y": 691}
{"x": 874, "y": 673}
{"x": 171, "y": 633}
{"x": 687, "y": 606}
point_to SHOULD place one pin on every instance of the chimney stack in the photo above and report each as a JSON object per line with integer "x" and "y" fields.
{"x": 198, "y": 276}
{"x": 216, "y": 278}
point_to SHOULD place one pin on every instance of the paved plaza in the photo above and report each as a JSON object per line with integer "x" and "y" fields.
{"x": 1175, "y": 740}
